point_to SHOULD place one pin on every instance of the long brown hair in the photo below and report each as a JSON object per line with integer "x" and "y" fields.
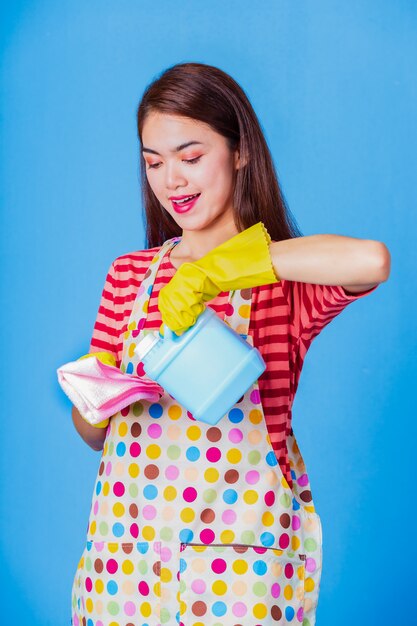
{"x": 207, "y": 94}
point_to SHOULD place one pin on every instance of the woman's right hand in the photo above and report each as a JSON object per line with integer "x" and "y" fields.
{"x": 108, "y": 359}
{"x": 92, "y": 436}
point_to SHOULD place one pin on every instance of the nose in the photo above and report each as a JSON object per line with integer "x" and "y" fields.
{"x": 173, "y": 176}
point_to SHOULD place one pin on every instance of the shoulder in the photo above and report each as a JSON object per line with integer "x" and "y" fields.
{"x": 134, "y": 262}
{"x": 127, "y": 270}
{"x": 137, "y": 256}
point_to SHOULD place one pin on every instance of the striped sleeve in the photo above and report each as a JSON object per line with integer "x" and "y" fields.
{"x": 104, "y": 337}
{"x": 313, "y": 306}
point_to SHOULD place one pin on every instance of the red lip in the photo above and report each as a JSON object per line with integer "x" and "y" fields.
{"x": 183, "y": 208}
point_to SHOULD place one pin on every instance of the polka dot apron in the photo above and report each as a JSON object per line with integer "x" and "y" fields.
{"x": 193, "y": 524}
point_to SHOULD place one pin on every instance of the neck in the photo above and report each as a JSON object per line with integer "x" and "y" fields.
{"x": 195, "y": 244}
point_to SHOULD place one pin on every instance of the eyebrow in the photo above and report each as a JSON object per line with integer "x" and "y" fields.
{"x": 177, "y": 149}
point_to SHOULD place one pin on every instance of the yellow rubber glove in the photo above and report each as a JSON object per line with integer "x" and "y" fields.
{"x": 240, "y": 262}
{"x": 108, "y": 359}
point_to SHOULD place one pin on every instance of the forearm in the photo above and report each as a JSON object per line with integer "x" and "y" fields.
{"x": 94, "y": 437}
{"x": 330, "y": 260}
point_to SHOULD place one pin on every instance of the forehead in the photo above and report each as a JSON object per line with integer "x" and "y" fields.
{"x": 167, "y": 131}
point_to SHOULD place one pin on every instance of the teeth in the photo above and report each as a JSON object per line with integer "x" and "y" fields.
{"x": 184, "y": 200}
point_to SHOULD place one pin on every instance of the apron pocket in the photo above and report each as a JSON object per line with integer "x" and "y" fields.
{"x": 233, "y": 584}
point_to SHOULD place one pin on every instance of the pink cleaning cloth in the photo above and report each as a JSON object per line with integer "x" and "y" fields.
{"x": 99, "y": 391}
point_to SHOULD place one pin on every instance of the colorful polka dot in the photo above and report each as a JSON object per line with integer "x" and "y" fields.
{"x": 167, "y": 481}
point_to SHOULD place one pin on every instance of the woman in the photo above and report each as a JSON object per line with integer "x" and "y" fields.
{"x": 191, "y": 523}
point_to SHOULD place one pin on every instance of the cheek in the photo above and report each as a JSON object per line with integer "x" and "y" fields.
{"x": 222, "y": 181}
{"x": 216, "y": 175}
{"x": 154, "y": 185}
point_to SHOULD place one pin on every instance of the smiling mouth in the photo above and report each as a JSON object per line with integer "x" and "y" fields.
{"x": 181, "y": 206}
{"x": 185, "y": 199}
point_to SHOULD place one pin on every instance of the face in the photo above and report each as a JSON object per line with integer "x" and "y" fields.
{"x": 204, "y": 167}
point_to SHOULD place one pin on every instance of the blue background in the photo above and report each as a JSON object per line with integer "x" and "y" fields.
{"x": 333, "y": 84}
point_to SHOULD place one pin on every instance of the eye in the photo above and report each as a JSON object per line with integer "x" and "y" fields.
{"x": 193, "y": 160}
{"x": 156, "y": 165}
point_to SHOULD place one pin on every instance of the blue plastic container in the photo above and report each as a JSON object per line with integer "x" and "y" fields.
{"x": 206, "y": 369}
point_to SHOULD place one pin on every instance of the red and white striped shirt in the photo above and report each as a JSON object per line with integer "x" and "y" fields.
{"x": 285, "y": 318}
